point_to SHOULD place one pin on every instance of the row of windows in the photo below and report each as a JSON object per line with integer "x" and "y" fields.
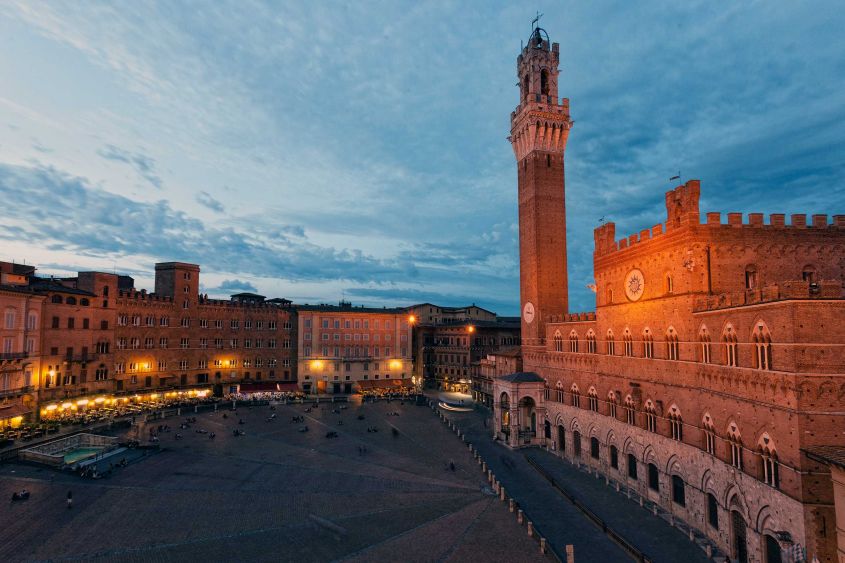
{"x": 185, "y": 322}
{"x": 10, "y": 318}
{"x": 134, "y": 343}
{"x": 357, "y": 337}
{"x": 761, "y": 341}
{"x": 734, "y": 451}
{"x": 162, "y": 365}
{"x": 347, "y": 323}
{"x": 84, "y": 302}
{"x": 355, "y": 352}
{"x": 452, "y": 359}
{"x": 70, "y": 323}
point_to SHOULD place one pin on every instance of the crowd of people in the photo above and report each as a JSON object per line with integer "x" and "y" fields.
{"x": 261, "y": 396}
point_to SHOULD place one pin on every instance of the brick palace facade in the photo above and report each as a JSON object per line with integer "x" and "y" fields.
{"x": 70, "y": 339}
{"x": 713, "y": 359}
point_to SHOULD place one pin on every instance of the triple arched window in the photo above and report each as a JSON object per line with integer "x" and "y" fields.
{"x": 612, "y": 402}
{"x": 730, "y": 345}
{"x": 704, "y": 344}
{"x": 628, "y": 342}
{"x": 573, "y": 341}
{"x": 591, "y": 342}
{"x": 630, "y": 412}
{"x": 576, "y": 396}
{"x": 709, "y": 434}
{"x": 676, "y": 425}
{"x": 648, "y": 344}
{"x": 762, "y": 347}
{"x": 650, "y": 416}
{"x": 734, "y": 446}
{"x": 768, "y": 461}
{"x": 673, "y": 347}
{"x": 593, "y": 399}
{"x": 558, "y": 339}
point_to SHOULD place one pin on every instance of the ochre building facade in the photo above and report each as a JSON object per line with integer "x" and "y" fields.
{"x": 346, "y": 349}
{"x": 713, "y": 360}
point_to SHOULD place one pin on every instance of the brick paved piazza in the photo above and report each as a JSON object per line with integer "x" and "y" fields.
{"x": 274, "y": 494}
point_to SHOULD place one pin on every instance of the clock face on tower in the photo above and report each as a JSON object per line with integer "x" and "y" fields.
{"x": 634, "y": 284}
{"x": 528, "y": 312}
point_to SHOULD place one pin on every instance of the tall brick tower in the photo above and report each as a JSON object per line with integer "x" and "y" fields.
{"x": 539, "y": 129}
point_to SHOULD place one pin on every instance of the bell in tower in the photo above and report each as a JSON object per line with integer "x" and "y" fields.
{"x": 539, "y": 130}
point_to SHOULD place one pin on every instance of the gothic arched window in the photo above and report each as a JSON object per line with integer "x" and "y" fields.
{"x": 648, "y": 344}
{"x": 558, "y": 339}
{"x": 762, "y": 347}
{"x": 672, "y": 346}
{"x": 769, "y": 461}
{"x": 730, "y": 343}
{"x": 704, "y": 343}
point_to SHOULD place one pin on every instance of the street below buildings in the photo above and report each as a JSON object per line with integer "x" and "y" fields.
{"x": 557, "y": 518}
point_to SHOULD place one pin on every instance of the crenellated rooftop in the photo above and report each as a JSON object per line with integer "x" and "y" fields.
{"x": 143, "y": 295}
{"x": 682, "y": 210}
{"x": 573, "y": 317}
{"x": 783, "y": 291}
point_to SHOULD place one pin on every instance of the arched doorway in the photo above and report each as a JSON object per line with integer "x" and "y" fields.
{"x": 740, "y": 540}
{"x": 527, "y": 420}
{"x": 773, "y": 553}
{"x": 561, "y": 437}
{"x": 505, "y": 420}
{"x": 547, "y": 430}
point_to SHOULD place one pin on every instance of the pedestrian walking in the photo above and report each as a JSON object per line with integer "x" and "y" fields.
{"x": 70, "y": 499}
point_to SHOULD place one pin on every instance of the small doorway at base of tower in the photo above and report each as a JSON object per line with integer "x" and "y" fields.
{"x": 347, "y": 388}
{"x": 321, "y": 387}
{"x": 336, "y": 388}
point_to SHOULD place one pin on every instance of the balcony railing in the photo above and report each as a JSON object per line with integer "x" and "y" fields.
{"x": 14, "y": 355}
{"x": 80, "y": 358}
{"x": 16, "y": 391}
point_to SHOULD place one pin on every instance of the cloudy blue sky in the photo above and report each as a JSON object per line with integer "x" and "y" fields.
{"x": 313, "y": 150}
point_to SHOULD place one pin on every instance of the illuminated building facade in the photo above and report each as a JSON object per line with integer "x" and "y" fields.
{"x": 178, "y": 338}
{"x": 20, "y": 337}
{"x": 73, "y": 341}
{"x": 713, "y": 360}
{"x": 345, "y": 349}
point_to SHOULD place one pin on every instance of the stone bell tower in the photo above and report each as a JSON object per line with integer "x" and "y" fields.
{"x": 539, "y": 129}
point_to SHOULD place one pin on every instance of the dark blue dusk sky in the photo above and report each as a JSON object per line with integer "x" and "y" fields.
{"x": 315, "y": 150}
